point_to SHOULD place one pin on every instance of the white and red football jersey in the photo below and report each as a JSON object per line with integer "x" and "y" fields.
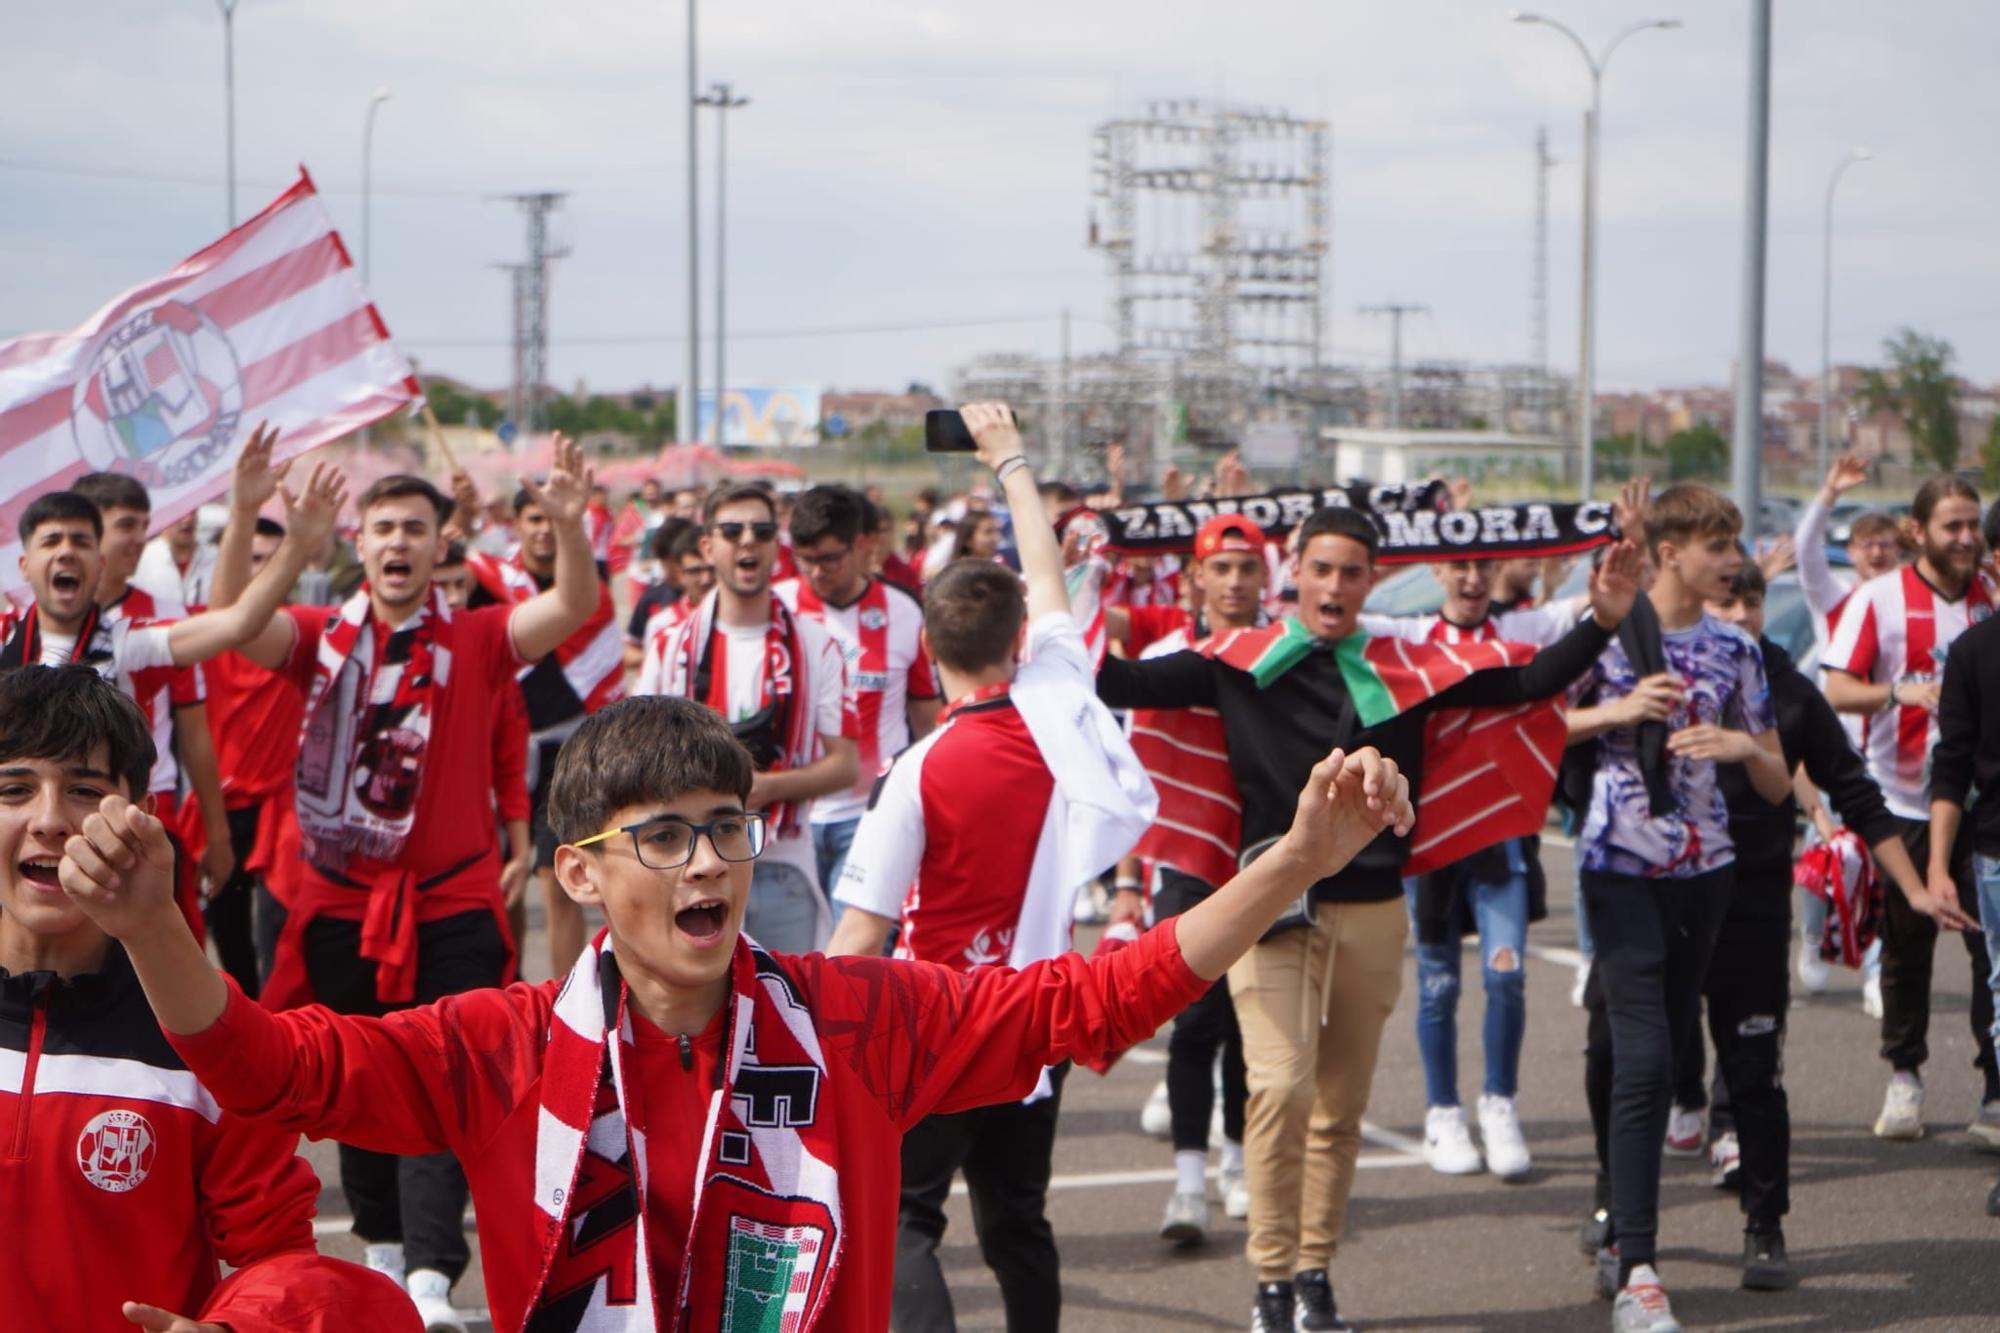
{"x": 183, "y": 687}
{"x": 1539, "y": 625}
{"x": 1897, "y": 628}
{"x": 880, "y": 637}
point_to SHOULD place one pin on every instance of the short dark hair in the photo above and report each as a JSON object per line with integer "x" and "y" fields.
{"x": 113, "y": 490}
{"x": 269, "y": 527}
{"x": 1341, "y": 521}
{"x": 827, "y": 511}
{"x": 523, "y": 497}
{"x": 1749, "y": 580}
{"x": 661, "y": 544}
{"x": 399, "y": 484}
{"x": 736, "y": 494}
{"x": 973, "y": 612}
{"x": 454, "y": 554}
{"x": 1060, "y": 491}
{"x": 687, "y": 542}
{"x": 1944, "y": 486}
{"x": 646, "y": 749}
{"x": 66, "y": 712}
{"x": 59, "y": 507}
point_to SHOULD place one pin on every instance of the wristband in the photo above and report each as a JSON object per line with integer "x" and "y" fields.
{"x": 1128, "y": 886}
{"x": 1893, "y": 702}
{"x": 1008, "y": 466}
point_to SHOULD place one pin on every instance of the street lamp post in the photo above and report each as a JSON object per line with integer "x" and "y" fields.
{"x": 228, "y": 8}
{"x": 367, "y": 201}
{"x": 721, "y": 97}
{"x": 1857, "y": 154}
{"x": 1587, "y": 334}
{"x": 684, "y": 427}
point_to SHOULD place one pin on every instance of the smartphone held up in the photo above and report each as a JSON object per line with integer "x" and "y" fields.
{"x": 945, "y": 431}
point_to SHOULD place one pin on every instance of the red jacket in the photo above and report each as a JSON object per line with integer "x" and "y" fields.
{"x": 902, "y": 1041}
{"x": 122, "y": 1180}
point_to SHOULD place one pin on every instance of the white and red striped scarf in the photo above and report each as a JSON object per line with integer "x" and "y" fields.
{"x": 367, "y": 727}
{"x": 867, "y": 673}
{"x": 1841, "y": 872}
{"x": 765, "y": 1241}
{"x": 786, "y": 682}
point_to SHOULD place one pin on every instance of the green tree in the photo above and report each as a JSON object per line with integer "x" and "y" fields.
{"x": 1989, "y": 455}
{"x": 1918, "y": 387}
{"x": 1615, "y": 454}
{"x": 1699, "y": 452}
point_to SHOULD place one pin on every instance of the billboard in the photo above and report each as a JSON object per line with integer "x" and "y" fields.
{"x": 772, "y": 416}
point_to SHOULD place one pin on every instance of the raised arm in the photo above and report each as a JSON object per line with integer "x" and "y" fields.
{"x": 1822, "y": 590}
{"x": 544, "y": 621}
{"x": 999, "y": 445}
{"x": 1613, "y": 586}
{"x": 1178, "y": 680}
{"x": 391, "y": 1085}
{"x": 249, "y": 624}
{"x": 252, "y": 483}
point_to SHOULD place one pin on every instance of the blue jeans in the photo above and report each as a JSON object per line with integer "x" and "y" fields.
{"x": 1986, "y": 874}
{"x": 830, "y": 844}
{"x": 785, "y": 910}
{"x": 1500, "y": 908}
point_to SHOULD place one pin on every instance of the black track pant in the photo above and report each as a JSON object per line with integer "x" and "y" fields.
{"x": 1909, "y": 953}
{"x": 419, "y": 1201}
{"x": 227, "y": 913}
{"x": 1201, "y": 1031}
{"x": 1654, "y": 938}
{"x": 1004, "y": 1151}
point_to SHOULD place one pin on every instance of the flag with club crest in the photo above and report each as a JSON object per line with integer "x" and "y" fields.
{"x": 166, "y": 381}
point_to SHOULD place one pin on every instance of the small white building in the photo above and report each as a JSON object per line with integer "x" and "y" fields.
{"x": 1389, "y": 457}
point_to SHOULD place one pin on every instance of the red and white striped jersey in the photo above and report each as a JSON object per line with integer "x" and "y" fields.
{"x": 185, "y": 686}
{"x": 1539, "y": 625}
{"x": 135, "y": 655}
{"x": 880, "y": 637}
{"x": 1897, "y": 628}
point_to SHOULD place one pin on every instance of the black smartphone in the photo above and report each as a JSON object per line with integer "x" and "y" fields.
{"x": 945, "y": 432}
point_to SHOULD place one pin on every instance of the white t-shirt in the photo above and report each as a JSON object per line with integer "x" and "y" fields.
{"x": 744, "y": 662}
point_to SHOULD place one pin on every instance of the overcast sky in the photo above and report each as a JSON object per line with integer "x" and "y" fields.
{"x": 910, "y": 185}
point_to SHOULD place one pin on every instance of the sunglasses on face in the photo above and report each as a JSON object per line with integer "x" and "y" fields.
{"x": 733, "y": 532}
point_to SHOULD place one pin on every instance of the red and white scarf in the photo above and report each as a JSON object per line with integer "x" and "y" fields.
{"x": 21, "y": 639}
{"x": 697, "y": 667}
{"x": 367, "y": 727}
{"x": 867, "y": 672}
{"x": 766, "y": 1228}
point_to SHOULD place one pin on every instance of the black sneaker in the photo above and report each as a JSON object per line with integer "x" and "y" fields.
{"x": 1271, "y": 1309}
{"x": 1594, "y": 1232}
{"x": 1765, "y": 1267}
{"x": 1316, "y": 1309}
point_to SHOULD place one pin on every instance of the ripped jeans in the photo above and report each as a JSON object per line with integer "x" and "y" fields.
{"x": 1500, "y": 909}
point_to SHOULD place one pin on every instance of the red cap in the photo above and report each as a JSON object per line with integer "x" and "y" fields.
{"x": 1217, "y": 533}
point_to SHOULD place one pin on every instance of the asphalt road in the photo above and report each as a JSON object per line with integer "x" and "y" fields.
{"x": 1883, "y": 1235}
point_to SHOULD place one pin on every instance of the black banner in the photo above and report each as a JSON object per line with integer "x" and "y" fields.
{"x": 1416, "y": 523}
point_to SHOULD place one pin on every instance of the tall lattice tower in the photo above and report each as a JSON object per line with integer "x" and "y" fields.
{"x": 1215, "y": 226}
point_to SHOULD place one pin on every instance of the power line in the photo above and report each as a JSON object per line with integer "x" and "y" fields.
{"x": 825, "y": 331}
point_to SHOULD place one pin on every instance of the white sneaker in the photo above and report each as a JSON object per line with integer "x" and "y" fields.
{"x": 431, "y": 1290}
{"x": 1902, "y": 1108}
{"x": 1985, "y": 1127}
{"x": 386, "y": 1259}
{"x": 1582, "y": 980}
{"x": 1156, "y": 1117}
{"x": 1642, "y": 1306}
{"x": 1871, "y": 997}
{"x": 1500, "y": 1131}
{"x": 1685, "y": 1131}
{"x": 1235, "y": 1191}
{"x": 1813, "y": 971}
{"x": 1186, "y": 1222}
{"x": 1448, "y": 1143}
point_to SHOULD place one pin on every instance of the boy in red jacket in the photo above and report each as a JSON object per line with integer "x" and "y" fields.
{"x": 134, "y": 1185}
{"x": 688, "y": 1132}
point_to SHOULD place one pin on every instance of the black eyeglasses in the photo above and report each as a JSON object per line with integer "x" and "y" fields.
{"x": 822, "y": 559}
{"x": 668, "y": 844}
{"x": 733, "y": 532}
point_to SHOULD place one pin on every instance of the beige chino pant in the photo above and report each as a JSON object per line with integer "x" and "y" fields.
{"x": 1311, "y": 1004}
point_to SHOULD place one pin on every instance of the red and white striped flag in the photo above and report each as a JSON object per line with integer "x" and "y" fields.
{"x": 269, "y": 323}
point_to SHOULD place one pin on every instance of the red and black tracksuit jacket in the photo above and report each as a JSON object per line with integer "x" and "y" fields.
{"x": 122, "y": 1180}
